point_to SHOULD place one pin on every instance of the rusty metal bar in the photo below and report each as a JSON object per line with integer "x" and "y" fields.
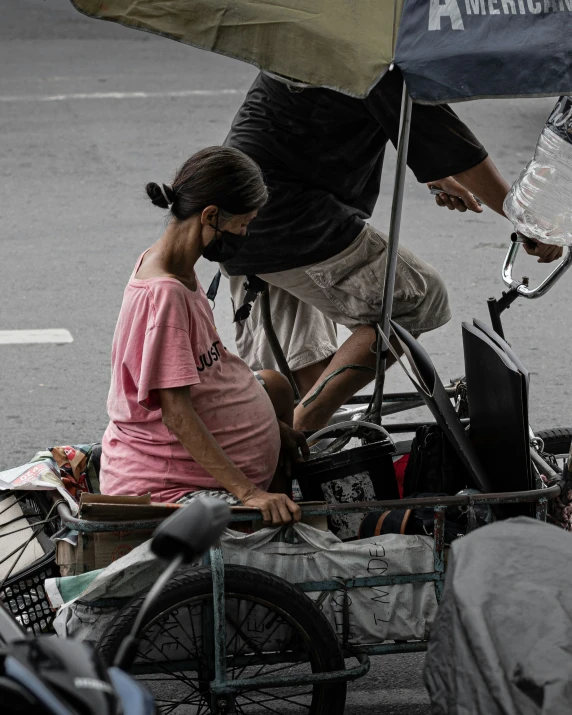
{"x": 404, "y": 427}
{"x": 328, "y": 509}
{"x": 283, "y": 681}
{"x": 342, "y": 584}
{"x": 392, "y": 253}
{"x": 219, "y": 614}
{"x": 364, "y": 399}
{"x": 543, "y": 466}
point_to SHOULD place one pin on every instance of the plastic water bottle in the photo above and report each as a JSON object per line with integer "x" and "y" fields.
{"x": 539, "y": 203}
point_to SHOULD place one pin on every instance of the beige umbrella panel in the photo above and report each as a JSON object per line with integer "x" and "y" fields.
{"x": 346, "y": 45}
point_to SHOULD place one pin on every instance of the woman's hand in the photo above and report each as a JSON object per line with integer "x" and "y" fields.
{"x": 276, "y": 508}
{"x": 293, "y": 448}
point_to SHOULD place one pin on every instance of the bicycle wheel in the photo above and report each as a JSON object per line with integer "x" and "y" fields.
{"x": 557, "y": 440}
{"x": 272, "y": 628}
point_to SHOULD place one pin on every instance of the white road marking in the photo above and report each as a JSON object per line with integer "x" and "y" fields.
{"x": 21, "y": 337}
{"x": 118, "y": 95}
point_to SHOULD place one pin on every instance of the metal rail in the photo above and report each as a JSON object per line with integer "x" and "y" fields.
{"x": 392, "y": 251}
{"x": 532, "y": 495}
{"x": 282, "y": 681}
{"x": 521, "y": 287}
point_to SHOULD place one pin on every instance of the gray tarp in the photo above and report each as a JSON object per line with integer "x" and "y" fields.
{"x": 502, "y": 639}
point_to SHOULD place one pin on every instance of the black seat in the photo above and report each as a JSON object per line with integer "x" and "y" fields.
{"x": 432, "y": 391}
{"x": 497, "y": 393}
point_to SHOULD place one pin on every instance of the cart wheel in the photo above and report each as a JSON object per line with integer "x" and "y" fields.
{"x": 272, "y": 628}
{"x": 556, "y": 441}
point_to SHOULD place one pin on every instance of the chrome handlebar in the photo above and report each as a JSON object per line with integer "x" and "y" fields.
{"x": 521, "y": 286}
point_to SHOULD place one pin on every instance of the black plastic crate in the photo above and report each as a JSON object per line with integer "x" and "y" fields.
{"x": 23, "y": 592}
{"x": 360, "y": 474}
{"x": 25, "y": 597}
{"x": 373, "y": 460}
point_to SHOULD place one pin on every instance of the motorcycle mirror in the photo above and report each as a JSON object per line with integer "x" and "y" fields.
{"x": 191, "y": 530}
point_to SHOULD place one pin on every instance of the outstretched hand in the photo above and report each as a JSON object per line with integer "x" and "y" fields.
{"x": 546, "y": 252}
{"x": 454, "y": 196}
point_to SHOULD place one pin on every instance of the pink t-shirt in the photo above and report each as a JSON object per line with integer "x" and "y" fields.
{"x": 165, "y": 337}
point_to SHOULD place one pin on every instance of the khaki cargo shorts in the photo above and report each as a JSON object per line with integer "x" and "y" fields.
{"x": 346, "y": 289}
{"x": 305, "y": 334}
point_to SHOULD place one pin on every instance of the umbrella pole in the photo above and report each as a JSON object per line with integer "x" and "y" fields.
{"x": 392, "y": 246}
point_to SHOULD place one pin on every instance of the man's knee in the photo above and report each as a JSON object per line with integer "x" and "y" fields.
{"x": 433, "y": 311}
{"x": 437, "y": 297}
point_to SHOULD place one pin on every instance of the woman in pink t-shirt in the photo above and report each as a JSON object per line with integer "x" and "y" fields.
{"x": 185, "y": 414}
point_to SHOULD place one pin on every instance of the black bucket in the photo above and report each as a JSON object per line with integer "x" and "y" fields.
{"x": 355, "y": 475}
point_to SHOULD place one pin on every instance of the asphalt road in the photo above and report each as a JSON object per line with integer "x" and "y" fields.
{"x": 76, "y": 150}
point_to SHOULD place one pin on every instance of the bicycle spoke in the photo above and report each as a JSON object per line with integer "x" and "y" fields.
{"x": 174, "y": 675}
{"x": 288, "y": 666}
{"x": 254, "y": 702}
{"x": 170, "y": 635}
{"x": 186, "y": 701}
{"x": 255, "y": 647}
{"x": 195, "y": 637}
{"x": 227, "y": 617}
{"x": 183, "y": 631}
{"x": 261, "y": 652}
{"x": 287, "y": 698}
{"x": 175, "y": 704}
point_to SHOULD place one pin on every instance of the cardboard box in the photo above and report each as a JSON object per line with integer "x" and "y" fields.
{"x": 101, "y": 507}
{"x": 98, "y": 550}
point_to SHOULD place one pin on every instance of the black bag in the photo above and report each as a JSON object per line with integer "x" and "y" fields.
{"x": 458, "y": 520}
{"x": 433, "y": 465}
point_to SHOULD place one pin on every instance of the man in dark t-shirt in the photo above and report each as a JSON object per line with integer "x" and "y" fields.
{"x": 322, "y": 154}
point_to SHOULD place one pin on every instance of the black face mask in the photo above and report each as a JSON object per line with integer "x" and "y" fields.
{"x": 224, "y": 246}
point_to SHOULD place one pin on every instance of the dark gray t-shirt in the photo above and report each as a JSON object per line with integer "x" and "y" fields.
{"x": 322, "y": 154}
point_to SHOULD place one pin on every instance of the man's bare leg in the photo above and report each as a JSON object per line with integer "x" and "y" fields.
{"x": 355, "y": 350}
{"x": 306, "y": 377}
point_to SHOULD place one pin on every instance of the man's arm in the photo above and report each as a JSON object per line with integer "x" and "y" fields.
{"x": 485, "y": 181}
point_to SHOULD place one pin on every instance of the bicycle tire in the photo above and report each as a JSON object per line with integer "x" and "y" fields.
{"x": 191, "y": 587}
{"x": 556, "y": 440}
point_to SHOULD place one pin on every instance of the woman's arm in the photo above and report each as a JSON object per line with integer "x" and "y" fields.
{"x": 179, "y": 416}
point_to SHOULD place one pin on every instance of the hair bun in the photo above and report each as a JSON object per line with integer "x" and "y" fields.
{"x": 157, "y": 196}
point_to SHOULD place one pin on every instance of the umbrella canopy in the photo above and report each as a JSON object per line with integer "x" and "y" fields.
{"x": 448, "y": 50}
{"x": 345, "y": 45}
